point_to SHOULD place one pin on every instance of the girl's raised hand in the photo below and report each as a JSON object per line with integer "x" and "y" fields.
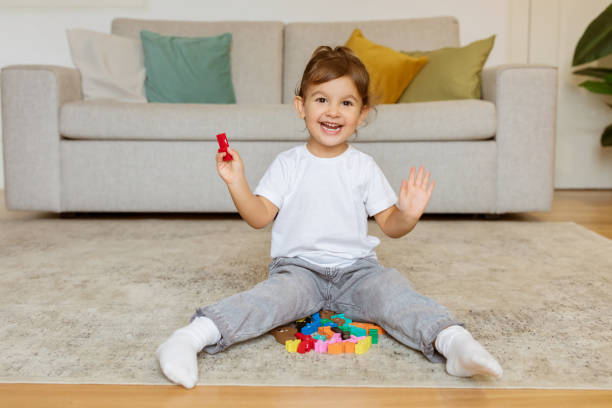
{"x": 415, "y": 193}
{"x": 230, "y": 171}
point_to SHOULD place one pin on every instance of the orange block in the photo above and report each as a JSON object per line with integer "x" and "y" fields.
{"x": 335, "y": 348}
{"x": 368, "y": 326}
{"x": 349, "y": 347}
{"x": 325, "y": 331}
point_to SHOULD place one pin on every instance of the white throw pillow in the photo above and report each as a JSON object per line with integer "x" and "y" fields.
{"x": 111, "y": 66}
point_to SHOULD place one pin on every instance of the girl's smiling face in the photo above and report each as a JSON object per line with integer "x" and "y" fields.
{"x": 332, "y": 111}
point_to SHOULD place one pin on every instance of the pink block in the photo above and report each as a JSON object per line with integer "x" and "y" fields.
{"x": 321, "y": 346}
{"x": 336, "y": 338}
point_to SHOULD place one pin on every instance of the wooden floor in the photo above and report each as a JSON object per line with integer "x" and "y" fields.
{"x": 592, "y": 209}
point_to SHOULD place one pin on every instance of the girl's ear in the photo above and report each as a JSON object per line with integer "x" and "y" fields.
{"x": 365, "y": 109}
{"x": 298, "y": 102}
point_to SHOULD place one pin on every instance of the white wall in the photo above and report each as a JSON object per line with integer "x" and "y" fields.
{"x": 36, "y": 35}
{"x": 556, "y": 27}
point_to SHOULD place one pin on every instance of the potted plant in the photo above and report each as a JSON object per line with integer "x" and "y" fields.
{"x": 596, "y": 43}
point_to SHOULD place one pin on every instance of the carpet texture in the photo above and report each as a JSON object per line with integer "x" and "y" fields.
{"x": 88, "y": 300}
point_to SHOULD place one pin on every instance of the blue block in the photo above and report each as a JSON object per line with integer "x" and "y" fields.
{"x": 310, "y": 328}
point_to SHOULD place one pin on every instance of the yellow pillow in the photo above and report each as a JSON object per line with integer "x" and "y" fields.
{"x": 390, "y": 71}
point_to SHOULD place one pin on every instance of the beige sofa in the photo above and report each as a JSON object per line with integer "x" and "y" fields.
{"x": 64, "y": 154}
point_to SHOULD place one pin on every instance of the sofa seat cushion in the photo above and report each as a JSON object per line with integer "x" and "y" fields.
{"x": 110, "y": 120}
{"x": 468, "y": 119}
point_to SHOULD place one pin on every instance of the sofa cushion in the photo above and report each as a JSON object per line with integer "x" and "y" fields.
{"x": 111, "y": 66}
{"x": 451, "y": 73}
{"x": 301, "y": 39}
{"x": 256, "y": 54}
{"x": 188, "y": 69}
{"x": 468, "y": 119}
{"x": 390, "y": 71}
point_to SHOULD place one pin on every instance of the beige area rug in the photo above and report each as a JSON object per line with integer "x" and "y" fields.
{"x": 88, "y": 300}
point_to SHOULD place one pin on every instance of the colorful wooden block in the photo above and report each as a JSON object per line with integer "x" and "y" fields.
{"x": 292, "y": 345}
{"x": 363, "y": 345}
{"x": 335, "y": 348}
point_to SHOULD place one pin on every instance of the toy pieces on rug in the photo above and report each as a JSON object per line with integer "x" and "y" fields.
{"x": 284, "y": 333}
{"x": 327, "y": 332}
{"x": 326, "y": 314}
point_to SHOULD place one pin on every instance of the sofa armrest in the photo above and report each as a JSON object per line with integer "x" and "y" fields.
{"x": 525, "y": 97}
{"x": 31, "y": 99}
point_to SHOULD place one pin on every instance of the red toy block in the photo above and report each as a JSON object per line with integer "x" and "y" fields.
{"x": 223, "y": 145}
{"x": 307, "y": 343}
{"x": 303, "y": 337}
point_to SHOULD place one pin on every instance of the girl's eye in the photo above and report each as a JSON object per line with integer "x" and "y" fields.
{"x": 320, "y": 99}
{"x": 348, "y": 103}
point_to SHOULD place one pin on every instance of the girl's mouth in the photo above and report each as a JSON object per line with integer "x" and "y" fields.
{"x": 331, "y": 128}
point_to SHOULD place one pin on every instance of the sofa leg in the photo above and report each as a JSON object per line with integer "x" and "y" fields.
{"x": 482, "y": 216}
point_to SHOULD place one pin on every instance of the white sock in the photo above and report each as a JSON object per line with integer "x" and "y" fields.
{"x": 465, "y": 356}
{"x": 178, "y": 354}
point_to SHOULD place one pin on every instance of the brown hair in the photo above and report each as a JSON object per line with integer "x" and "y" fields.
{"x": 327, "y": 64}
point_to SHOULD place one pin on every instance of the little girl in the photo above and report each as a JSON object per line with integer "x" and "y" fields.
{"x": 319, "y": 195}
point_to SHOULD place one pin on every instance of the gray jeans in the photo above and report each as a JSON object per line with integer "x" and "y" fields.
{"x": 364, "y": 291}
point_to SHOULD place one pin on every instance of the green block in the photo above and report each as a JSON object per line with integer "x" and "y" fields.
{"x": 374, "y": 335}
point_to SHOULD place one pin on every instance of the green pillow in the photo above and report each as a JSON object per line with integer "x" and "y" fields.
{"x": 188, "y": 69}
{"x": 450, "y": 73}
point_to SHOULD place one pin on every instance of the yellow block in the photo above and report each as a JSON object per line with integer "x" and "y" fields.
{"x": 363, "y": 345}
{"x": 292, "y": 345}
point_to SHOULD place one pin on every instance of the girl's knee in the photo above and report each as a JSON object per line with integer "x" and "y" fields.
{"x": 299, "y": 289}
{"x": 389, "y": 281}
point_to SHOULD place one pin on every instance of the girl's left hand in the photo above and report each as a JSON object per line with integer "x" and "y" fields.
{"x": 415, "y": 194}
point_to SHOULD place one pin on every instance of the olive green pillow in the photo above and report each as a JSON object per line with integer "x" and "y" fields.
{"x": 188, "y": 69}
{"x": 450, "y": 73}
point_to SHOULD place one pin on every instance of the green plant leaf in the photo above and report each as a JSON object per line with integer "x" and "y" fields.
{"x": 594, "y": 72}
{"x": 606, "y": 136}
{"x": 598, "y": 87}
{"x": 596, "y": 41}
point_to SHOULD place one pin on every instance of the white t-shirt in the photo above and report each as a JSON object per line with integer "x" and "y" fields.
{"x": 324, "y": 205}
